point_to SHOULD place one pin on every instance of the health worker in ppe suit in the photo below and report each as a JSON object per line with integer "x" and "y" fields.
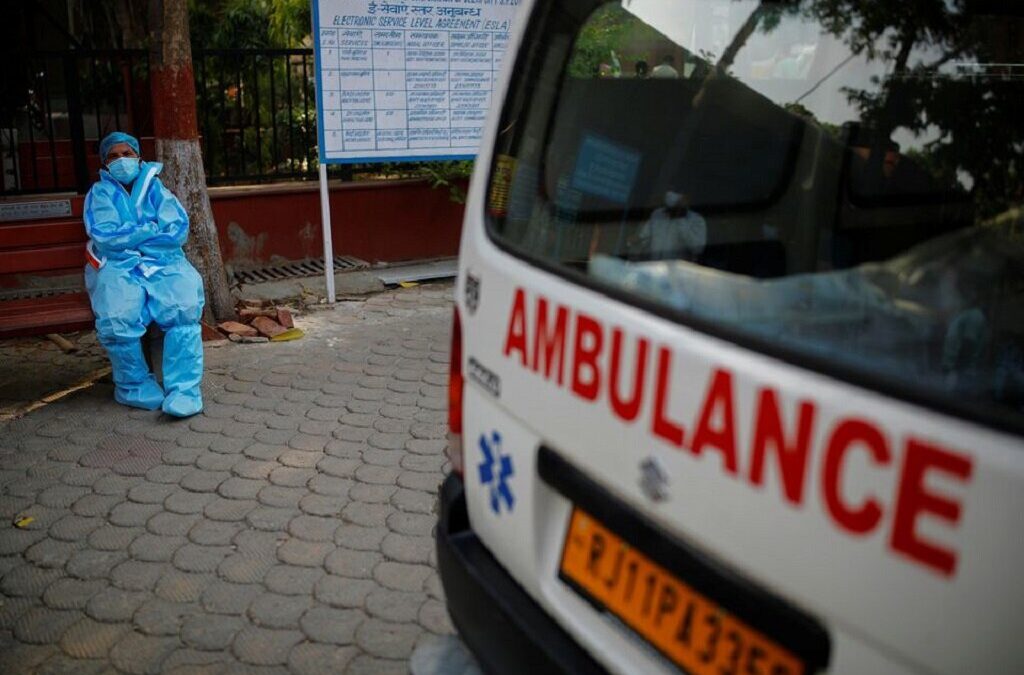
{"x": 136, "y": 273}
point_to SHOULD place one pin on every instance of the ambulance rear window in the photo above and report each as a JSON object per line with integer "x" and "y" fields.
{"x": 842, "y": 191}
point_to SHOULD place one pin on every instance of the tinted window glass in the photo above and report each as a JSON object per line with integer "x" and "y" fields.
{"x": 836, "y": 180}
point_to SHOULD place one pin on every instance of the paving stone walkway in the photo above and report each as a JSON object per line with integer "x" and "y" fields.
{"x": 33, "y": 367}
{"x": 286, "y": 529}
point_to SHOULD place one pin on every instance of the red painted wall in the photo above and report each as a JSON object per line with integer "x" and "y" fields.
{"x": 374, "y": 221}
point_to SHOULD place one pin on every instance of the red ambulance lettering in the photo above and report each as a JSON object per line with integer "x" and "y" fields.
{"x": 849, "y": 435}
{"x": 914, "y": 499}
{"x": 791, "y": 454}
{"x": 662, "y": 426}
{"x": 549, "y": 345}
{"x": 627, "y": 408}
{"x": 515, "y": 339}
{"x": 586, "y": 373}
{"x": 720, "y": 436}
{"x": 620, "y": 375}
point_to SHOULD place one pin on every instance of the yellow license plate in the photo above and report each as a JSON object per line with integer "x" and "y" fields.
{"x": 693, "y": 631}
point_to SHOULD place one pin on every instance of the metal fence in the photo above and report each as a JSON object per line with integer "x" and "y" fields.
{"x": 256, "y": 113}
{"x": 54, "y": 105}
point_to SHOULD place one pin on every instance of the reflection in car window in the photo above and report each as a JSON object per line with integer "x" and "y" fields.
{"x": 836, "y": 184}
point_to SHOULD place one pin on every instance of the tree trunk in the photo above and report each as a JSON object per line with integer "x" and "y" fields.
{"x": 173, "y": 92}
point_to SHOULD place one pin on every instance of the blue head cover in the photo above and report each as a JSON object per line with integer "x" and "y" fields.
{"x": 113, "y": 139}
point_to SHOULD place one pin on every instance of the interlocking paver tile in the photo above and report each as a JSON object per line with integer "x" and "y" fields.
{"x": 177, "y": 586}
{"x": 330, "y": 625}
{"x": 273, "y": 610}
{"x": 387, "y": 639}
{"x": 140, "y": 654}
{"x": 355, "y": 564}
{"x": 222, "y": 597}
{"x": 168, "y": 524}
{"x": 367, "y": 515}
{"x": 228, "y": 510}
{"x": 292, "y": 580}
{"x": 322, "y": 505}
{"x": 210, "y": 633}
{"x": 402, "y": 576}
{"x": 330, "y": 486}
{"x": 314, "y": 528}
{"x": 241, "y": 488}
{"x": 114, "y": 605}
{"x": 269, "y": 518}
{"x": 370, "y": 493}
{"x": 51, "y": 553}
{"x": 90, "y": 639}
{"x": 379, "y": 457}
{"x": 150, "y": 547}
{"x": 185, "y": 502}
{"x": 304, "y": 553}
{"x": 213, "y": 533}
{"x": 396, "y": 606}
{"x": 71, "y": 593}
{"x": 359, "y": 537}
{"x": 158, "y": 616}
{"x": 28, "y": 581}
{"x": 129, "y": 514}
{"x": 42, "y": 625}
{"x": 413, "y": 501}
{"x": 286, "y": 529}
{"x": 265, "y": 647}
{"x": 219, "y": 461}
{"x": 286, "y": 476}
{"x": 311, "y": 658}
{"x": 136, "y": 575}
{"x": 196, "y": 558}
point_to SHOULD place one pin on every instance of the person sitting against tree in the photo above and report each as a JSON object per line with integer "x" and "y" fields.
{"x": 136, "y": 273}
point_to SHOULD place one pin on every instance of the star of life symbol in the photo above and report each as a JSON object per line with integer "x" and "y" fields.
{"x": 495, "y": 470}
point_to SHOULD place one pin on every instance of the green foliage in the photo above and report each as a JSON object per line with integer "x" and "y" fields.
{"x": 249, "y": 24}
{"x": 290, "y": 22}
{"x": 608, "y": 29}
{"x": 976, "y": 120}
{"x": 450, "y": 174}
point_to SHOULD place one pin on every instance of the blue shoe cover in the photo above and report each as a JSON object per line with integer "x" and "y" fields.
{"x": 148, "y": 395}
{"x": 178, "y": 404}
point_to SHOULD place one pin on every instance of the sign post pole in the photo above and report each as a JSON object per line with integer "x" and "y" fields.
{"x": 325, "y": 217}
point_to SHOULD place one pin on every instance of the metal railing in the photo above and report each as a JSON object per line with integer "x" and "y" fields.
{"x": 256, "y": 111}
{"x": 55, "y": 105}
{"x": 257, "y": 114}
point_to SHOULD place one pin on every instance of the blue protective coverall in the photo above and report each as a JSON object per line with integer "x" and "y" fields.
{"x": 137, "y": 273}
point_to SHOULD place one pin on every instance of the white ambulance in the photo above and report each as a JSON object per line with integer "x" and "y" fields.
{"x": 738, "y": 354}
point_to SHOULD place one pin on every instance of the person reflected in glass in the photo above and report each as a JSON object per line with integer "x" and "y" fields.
{"x": 674, "y": 231}
{"x": 666, "y": 70}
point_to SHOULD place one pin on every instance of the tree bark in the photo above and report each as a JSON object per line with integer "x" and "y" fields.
{"x": 173, "y": 92}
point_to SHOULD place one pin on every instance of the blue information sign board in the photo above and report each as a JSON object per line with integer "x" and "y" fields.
{"x": 406, "y": 80}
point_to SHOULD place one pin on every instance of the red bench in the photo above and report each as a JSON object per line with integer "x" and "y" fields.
{"x": 41, "y": 248}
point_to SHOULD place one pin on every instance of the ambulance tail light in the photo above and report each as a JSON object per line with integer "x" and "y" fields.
{"x": 455, "y": 383}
